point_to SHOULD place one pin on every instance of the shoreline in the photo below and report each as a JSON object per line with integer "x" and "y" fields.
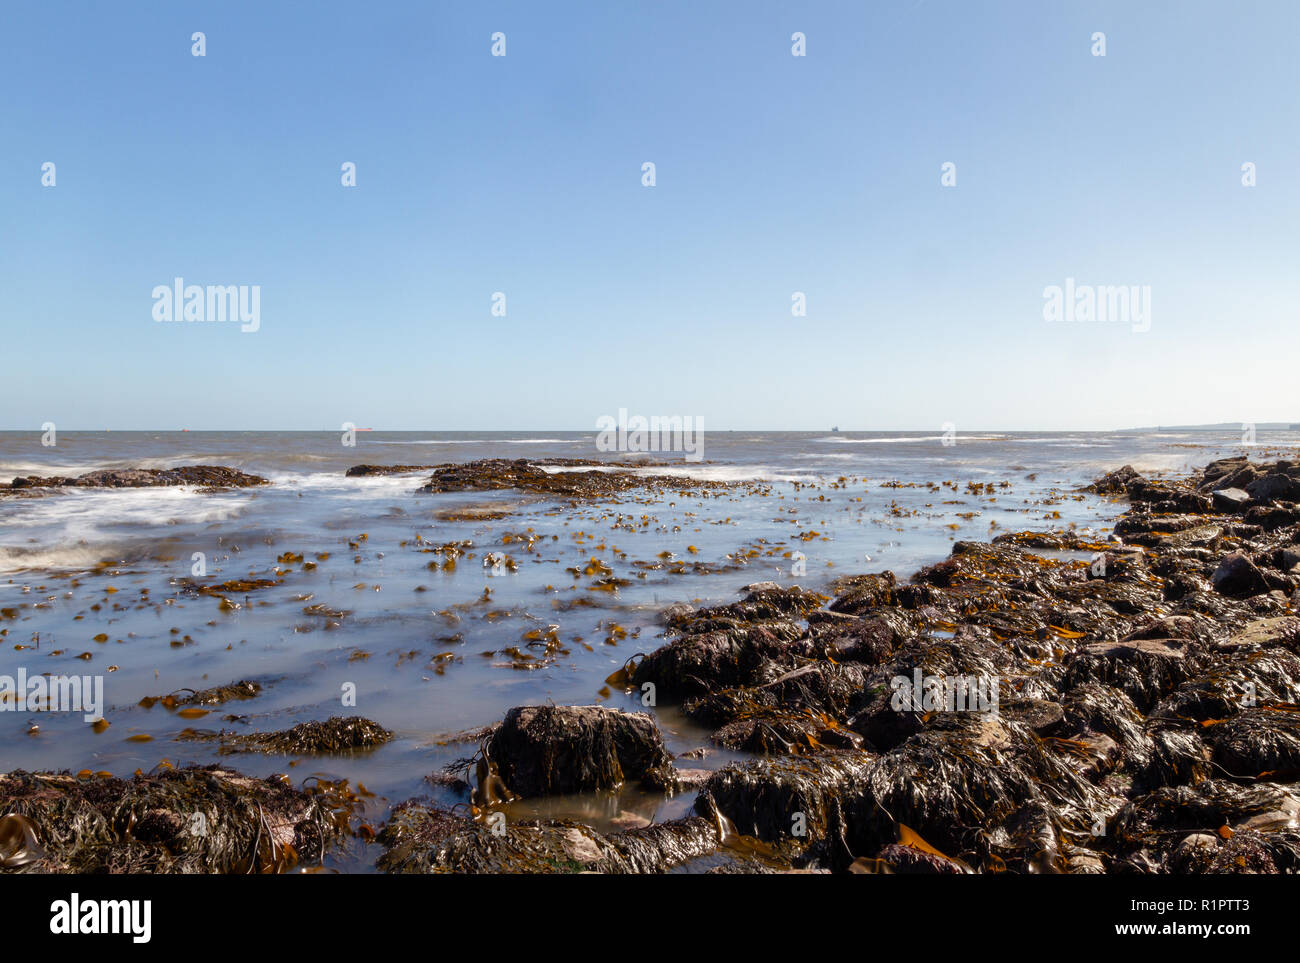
{"x": 1143, "y": 720}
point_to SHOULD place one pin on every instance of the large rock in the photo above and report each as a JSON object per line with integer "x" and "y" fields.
{"x": 1274, "y": 487}
{"x": 549, "y": 750}
{"x": 208, "y": 476}
{"x": 1238, "y": 577}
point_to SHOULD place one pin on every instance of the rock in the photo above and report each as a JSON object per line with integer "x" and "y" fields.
{"x": 1213, "y": 474}
{"x": 1162, "y": 819}
{"x": 1270, "y": 518}
{"x": 1230, "y": 499}
{"x": 1144, "y": 669}
{"x": 1229, "y": 473}
{"x": 862, "y": 593}
{"x": 1145, "y": 523}
{"x": 626, "y": 820}
{"x": 1168, "y": 497}
{"x": 1084, "y": 863}
{"x": 191, "y": 820}
{"x": 706, "y": 662}
{"x": 1116, "y": 482}
{"x": 761, "y": 799}
{"x": 1274, "y": 487}
{"x": 675, "y": 612}
{"x": 1238, "y": 577}
{"x": 422, "y": 839}
{"x": 1040, "y": 715}
{"x": 693, "y": 778}
{"x": 209, "y": 477}
{"x": 779, "y": 730}
{"x": 549, "y": 750}
{"x": 1097, "y": 754}
{"x": 579, "y": 478}
{"x": 361, "y": 471}
{"x": 1266, "y": 632}
{"x": 1260, "y": 742}
{"x": 214, "y": 696}
{"x": 1194, "y": 853}
{"x": 907, "y": 861}
{"x": 870, "y": 641}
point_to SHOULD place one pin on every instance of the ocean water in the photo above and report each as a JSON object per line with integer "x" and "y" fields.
{"x": 89, "y": 579}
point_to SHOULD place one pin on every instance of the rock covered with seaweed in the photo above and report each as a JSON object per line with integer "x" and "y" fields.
{"x": 193, "y": 820}
{"x": 207, "y": 477}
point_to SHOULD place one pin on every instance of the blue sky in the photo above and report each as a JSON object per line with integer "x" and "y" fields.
{"x": 775, "y": 174}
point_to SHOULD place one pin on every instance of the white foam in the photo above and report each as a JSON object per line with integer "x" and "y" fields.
{"x": 357, "y": 487}
{"x": 74, "y": 528}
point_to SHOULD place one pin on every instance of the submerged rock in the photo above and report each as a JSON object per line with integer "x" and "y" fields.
{"x": 361, "y": 471}
{"x": 334, "y": 735}
{"x": 217, "y": 695}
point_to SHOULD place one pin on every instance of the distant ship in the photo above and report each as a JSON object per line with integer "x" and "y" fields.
{"x": 836, "y": 428}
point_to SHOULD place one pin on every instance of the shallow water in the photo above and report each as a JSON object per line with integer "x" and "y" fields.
{"x": 89, "y": 578}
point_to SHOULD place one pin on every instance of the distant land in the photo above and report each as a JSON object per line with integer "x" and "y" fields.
{"x": 1224, "y": 426}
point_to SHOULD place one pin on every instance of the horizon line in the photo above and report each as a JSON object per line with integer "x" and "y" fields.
{"x": 1205, "y": 426}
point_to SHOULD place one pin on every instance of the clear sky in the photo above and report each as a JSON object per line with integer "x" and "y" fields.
{"x": 774, "y": 174}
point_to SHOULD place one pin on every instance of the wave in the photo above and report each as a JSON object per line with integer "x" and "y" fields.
{"x": 339, "y": 483}
{"x": 79, "y": 512}
{"x": 729, "y": 473}
{"x": 76, "y": 529}
{"x": 485, "y": 441}
{"x": 838, "y": 440}
{"x": 76, "y": 557}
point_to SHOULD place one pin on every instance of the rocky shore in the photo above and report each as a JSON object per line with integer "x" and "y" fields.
{"x": 208, "y": 477}
{"x": 1146, "y": 716}
{"x": 1140, "y": 713}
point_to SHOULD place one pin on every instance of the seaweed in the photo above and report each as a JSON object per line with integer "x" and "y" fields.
{"x": 192, "y": 820}
{"x": 334, "y": 735}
